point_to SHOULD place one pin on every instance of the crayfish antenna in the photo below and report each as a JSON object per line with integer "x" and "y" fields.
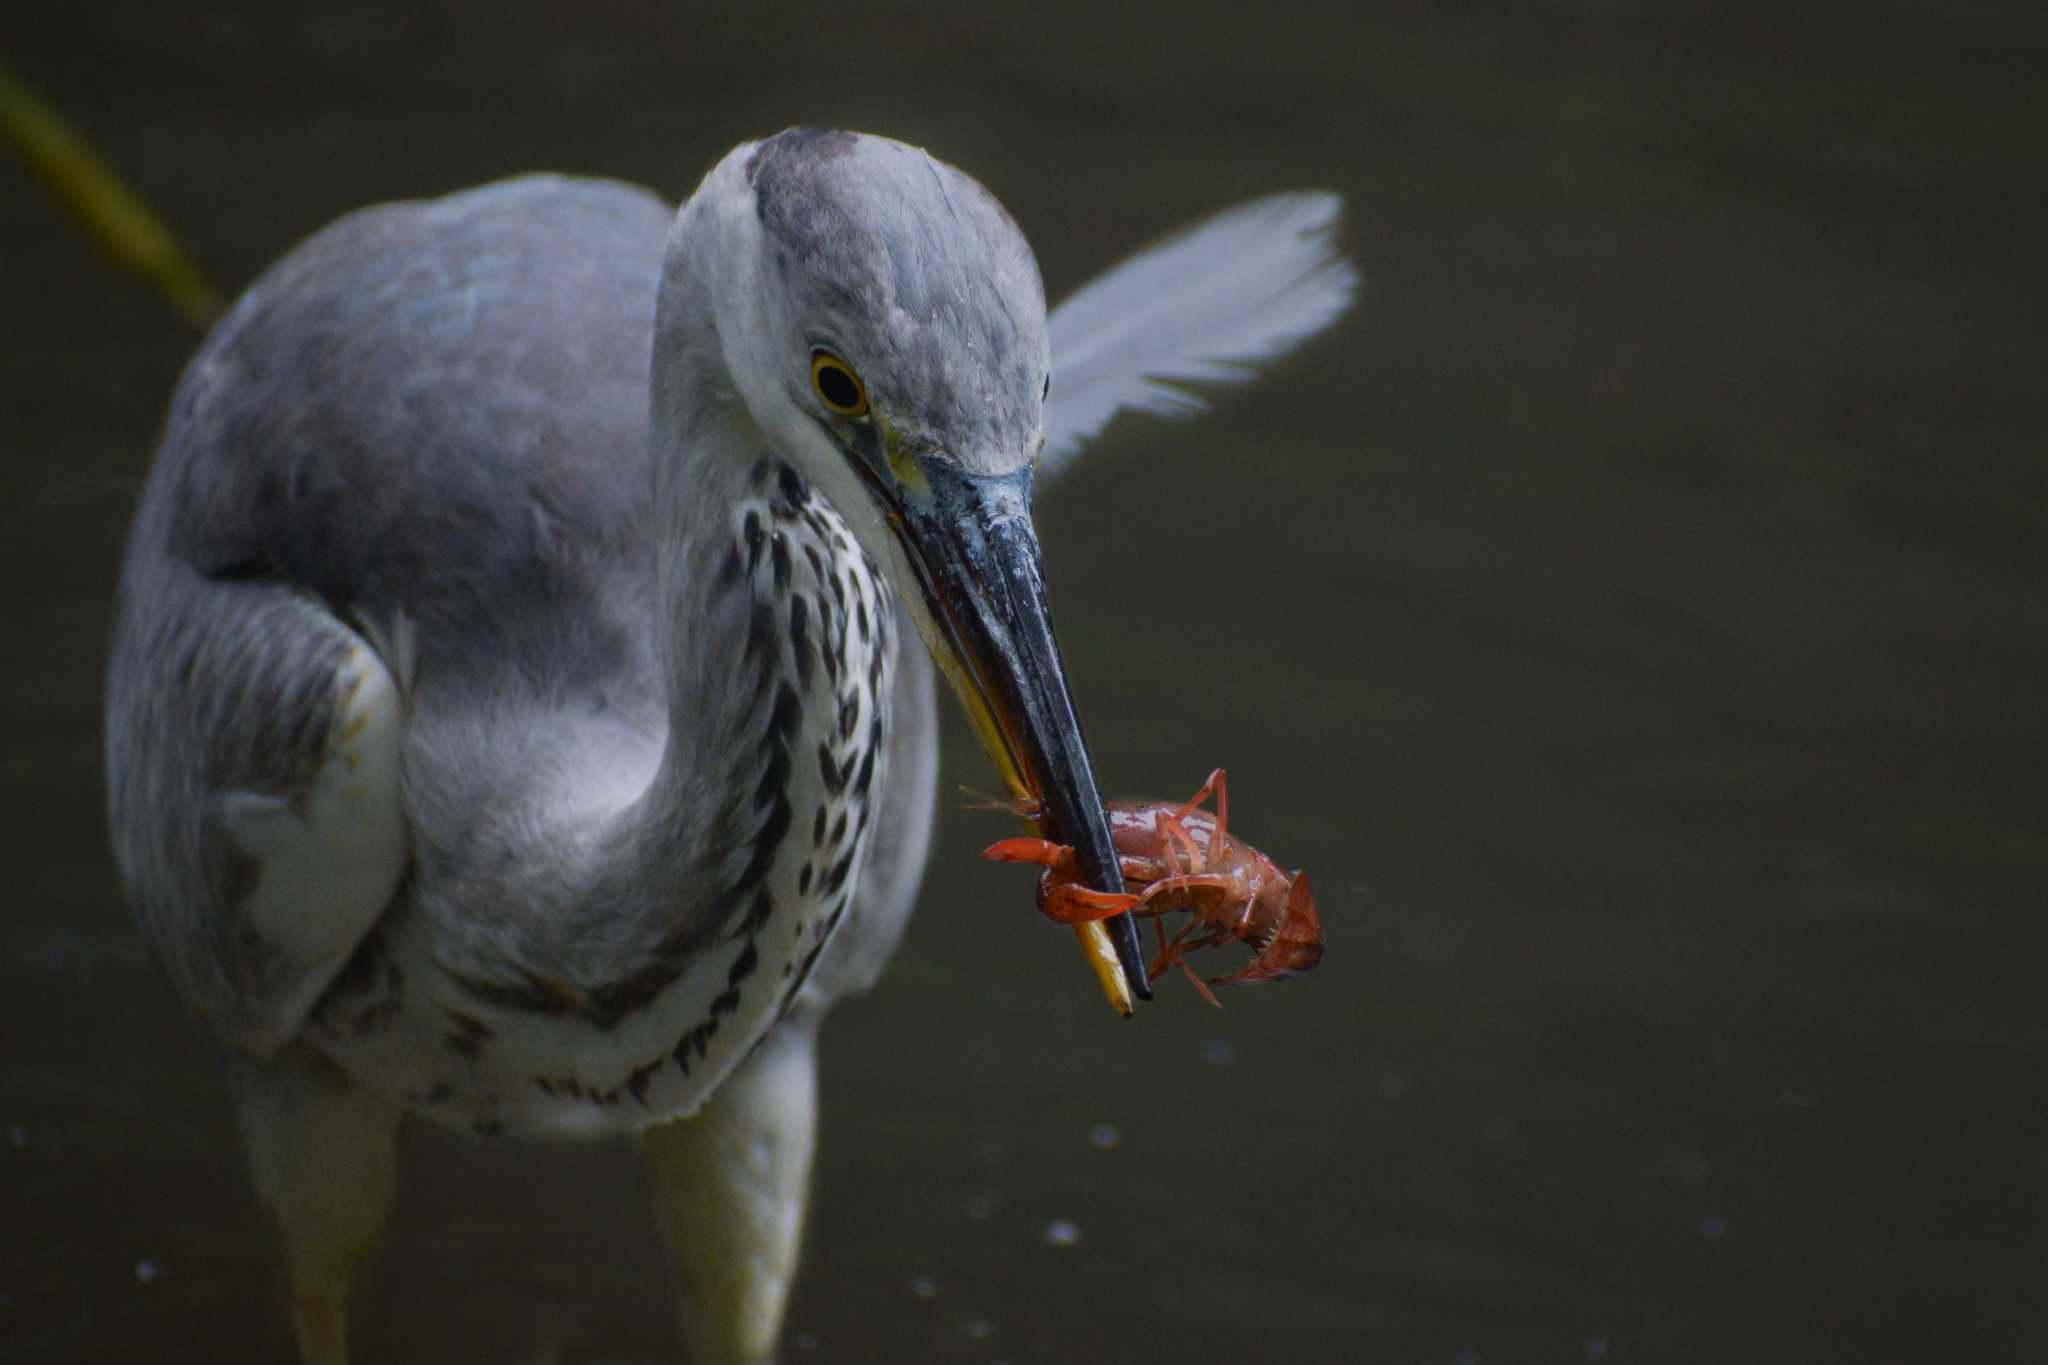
{"x": 1023, "y": 807}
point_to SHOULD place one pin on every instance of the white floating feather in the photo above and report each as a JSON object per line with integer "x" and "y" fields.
{"x": 1208, "y": 304}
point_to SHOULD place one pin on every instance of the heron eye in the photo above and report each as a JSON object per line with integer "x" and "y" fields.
{"x": 839, "y": 388}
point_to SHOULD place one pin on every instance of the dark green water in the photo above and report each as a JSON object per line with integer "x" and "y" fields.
{"x": 1635, "y": 616}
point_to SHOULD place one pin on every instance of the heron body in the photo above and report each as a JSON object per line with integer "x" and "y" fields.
{"x": 496, "y": 994}
{"x": 612, "y": 1046}
{"x": 510, "y": 717}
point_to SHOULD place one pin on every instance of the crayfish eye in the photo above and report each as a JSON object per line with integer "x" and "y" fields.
{"x": 837, "y": 386}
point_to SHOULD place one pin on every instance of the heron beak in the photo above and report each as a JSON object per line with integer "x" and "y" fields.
{"x": 971, "y": 548}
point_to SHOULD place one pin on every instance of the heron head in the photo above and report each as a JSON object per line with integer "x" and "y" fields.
{"x": 914, "y": 281}
{"x": 882, "y": 319}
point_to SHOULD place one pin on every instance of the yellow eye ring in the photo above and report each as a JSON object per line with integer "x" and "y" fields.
{"x": 837, "y": 386}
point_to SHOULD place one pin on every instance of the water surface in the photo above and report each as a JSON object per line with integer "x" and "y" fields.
{"x": 1634, "y": 617}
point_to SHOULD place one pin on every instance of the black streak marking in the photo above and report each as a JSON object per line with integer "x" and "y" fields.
{"x": 765, "y": 844}
{"x": 761, "y": 634}
{"x": 609, "y": 1004}
{"x": 788, "y": 714}
{"x": 757, "y": 914}
{"x": 810, "y": 961}
{"x": 636, "y": 1081}
{"x": 752, "y": 530}
{"x": 834, "y": 644}
{"x": 778, "y": 547}
{"x": 697, "y": 1040}
{"x": 743, "y": 965}
{"x": 535, "y": 995}
{"x": 774, "y": 778}
{"x": 835, "y": 781}
{"x": 725, "y": 1004}
{"x": 800, "y": 639}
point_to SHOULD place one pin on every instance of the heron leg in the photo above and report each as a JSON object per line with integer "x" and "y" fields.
{"x": 324, "y": 1155}
{"x": 730, "y": 1184}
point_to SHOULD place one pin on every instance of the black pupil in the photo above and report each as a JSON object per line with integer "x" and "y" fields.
{"x": 838, "y": 387}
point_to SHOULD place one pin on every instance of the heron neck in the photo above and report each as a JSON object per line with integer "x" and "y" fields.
{"x": 703, "y": 444}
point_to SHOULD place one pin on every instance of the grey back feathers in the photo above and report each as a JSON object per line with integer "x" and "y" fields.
{"x": 375, "y": 397}
{"x": 1206, "y": 305}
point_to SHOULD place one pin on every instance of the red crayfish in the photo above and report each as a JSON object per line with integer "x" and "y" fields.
{"x": 1184, "y": 858}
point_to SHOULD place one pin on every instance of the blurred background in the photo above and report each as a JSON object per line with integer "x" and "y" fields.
{"x": 1632, "y": 615}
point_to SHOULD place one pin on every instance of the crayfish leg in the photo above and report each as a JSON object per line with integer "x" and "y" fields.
{"x": 1025, "y": 850}
{"x": 1200, "y": 985}
{"x": 1171, "y": 828}
{"x": 1218, "y": 784}
{"x": 1166, "y": 889}
{"x": 1172, "y": 955}
{"x": 1175, "y": 954}
{"x": 1073, "y": 903}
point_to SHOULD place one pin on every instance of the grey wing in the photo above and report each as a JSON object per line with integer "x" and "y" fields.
{"x": 253, "y": 769}
{"x": 1206, "y": 305}
{"x": 432, "y": 413}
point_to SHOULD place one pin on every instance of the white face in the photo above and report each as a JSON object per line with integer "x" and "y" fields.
{"x": 768, "y": 361}
{"x": 907, "y": 281}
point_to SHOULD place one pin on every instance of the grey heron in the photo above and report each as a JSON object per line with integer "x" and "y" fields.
{"x": 510, "y": 721}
